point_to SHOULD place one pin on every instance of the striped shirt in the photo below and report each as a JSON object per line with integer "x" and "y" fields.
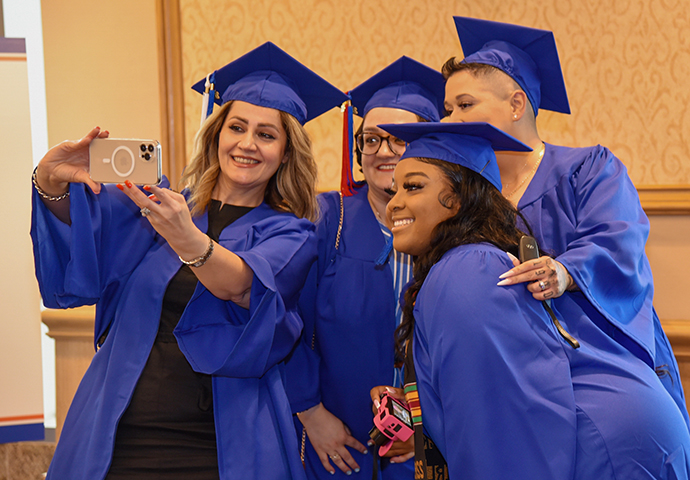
{"x": 401, "y": 267}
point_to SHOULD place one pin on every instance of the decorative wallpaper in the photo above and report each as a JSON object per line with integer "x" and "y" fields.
{"x": 626, "y": 63}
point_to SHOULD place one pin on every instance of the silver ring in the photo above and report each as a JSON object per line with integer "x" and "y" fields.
{"x": 335, "y": 456}
{"x": 145, "y": 212}
{"x": 542, "y": 285}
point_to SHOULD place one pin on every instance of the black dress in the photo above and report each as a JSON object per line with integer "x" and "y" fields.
{"x": 168, "y": 431}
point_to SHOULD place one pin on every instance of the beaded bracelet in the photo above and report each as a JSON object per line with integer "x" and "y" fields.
{"x": 43, "y": 194}
{"x": 199, "y": 261}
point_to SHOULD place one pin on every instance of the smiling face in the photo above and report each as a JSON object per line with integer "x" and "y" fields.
{"x": 378, "y": 168}
{"x": 480, "y": 98}
{"x": 416, "y": 208}
{"x": 251, "y": 148}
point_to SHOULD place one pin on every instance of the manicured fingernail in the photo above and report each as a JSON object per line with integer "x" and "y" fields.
{"x": 390, "y": 390}
{"x": 392, "y": 461}
{"x": 365, "y": 451}
{"x": 503, "y": 283}
{"x": 120, "y": 186}
{"x": 349, "y": 472}
{"x": 357, "y": 470}
{"x": 128, "y": 183}
{"x": 370, "y": 443}
{"x": 377, "y": 403}
{"x": 332, "y": 472}
{"x": 147, "y": 188}
{"x": 504, "y": 275}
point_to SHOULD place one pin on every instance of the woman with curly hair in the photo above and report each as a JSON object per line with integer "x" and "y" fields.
{"x": 506, "y": 387}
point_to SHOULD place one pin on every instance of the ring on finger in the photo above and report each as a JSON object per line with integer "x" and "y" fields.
{"x": 145, "y": 212}
{"x": 335, "y": 457}
{"x": 542, "y": 285}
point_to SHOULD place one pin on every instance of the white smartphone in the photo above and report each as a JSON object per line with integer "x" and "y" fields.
{"x": 114, "y": 160}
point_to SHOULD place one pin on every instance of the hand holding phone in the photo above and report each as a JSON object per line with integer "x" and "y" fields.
{"x": 529, "y": 251}
{"x": 114, "y": 160}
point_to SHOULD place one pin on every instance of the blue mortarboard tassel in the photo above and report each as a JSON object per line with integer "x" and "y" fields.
{"x": 387, "y": 249}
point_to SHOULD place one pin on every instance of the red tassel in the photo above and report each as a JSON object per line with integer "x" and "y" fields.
{"x": 346, "y": 179}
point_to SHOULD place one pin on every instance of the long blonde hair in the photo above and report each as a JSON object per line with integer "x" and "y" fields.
{"x": 291, "y": 189}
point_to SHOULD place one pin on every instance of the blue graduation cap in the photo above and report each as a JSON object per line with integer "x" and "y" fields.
{"x": 405, "y": 84}
{"x": 528, "y": 55}
{"x": 269, "y": 77}
{"x": 470, "y": 144}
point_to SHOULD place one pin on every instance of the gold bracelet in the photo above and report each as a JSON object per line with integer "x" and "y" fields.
{"x": 43, "y": 194}
{"x": 199, "y": 261}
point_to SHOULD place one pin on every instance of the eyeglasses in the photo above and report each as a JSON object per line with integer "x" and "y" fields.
{"x": 370, "y": 144}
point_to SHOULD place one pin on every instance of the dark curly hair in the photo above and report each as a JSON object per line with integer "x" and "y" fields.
{"x": 484, "y": 216}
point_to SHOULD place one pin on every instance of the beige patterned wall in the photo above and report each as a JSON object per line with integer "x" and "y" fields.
{"x": 626, "y": 63}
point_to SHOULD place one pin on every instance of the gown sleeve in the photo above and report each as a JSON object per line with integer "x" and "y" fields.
{"x": 604, "y": 252}
{"x": 78, "y": 264}
{"x": 218, "y": 337}
{"x": 303, "y": 368}
{"x": 591, "y": 219}
{"x": 494, "y": 382}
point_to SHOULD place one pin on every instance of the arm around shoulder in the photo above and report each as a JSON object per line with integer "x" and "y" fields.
{"x": 494, "y": 382}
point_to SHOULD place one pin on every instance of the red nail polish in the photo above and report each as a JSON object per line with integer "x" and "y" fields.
{"x": 120, "y": 186}
{"x": 128, "y": 183}
{"x": 147, "y": 188}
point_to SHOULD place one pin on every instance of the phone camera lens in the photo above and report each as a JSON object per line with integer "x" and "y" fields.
{"x": 150, "y": 148}
{"x": 147, "y": 156}
{"x": 143, "y": 147}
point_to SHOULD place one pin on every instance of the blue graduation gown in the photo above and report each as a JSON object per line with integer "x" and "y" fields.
{"x": 348, "y": 307}
{"x": 584, "y": 209}
{"x": 112, "y": 257}
{"x": 504, "y": 396}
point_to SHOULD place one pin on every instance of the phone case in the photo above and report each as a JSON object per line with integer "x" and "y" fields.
{"x": 528, "y": 248}
{"x": 114, "y": 160}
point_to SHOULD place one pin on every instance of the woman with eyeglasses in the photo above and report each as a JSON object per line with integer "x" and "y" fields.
{"x": 350, "y": 302}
